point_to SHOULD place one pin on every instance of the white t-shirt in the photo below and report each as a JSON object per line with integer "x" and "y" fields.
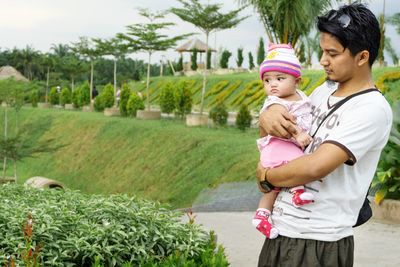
{"x": 361, "y": 127}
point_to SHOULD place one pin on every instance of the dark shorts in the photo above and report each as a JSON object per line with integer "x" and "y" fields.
{"x": 294, "y": 252}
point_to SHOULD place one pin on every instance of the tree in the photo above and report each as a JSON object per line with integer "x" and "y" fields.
{"x": 179, "y": 66}
{"x": 239, "y": 60}
{"x": 260, "y": 52}
{"x": 208, "y": 19}
{"x": 225, "y": 59}
{"x": 115, "y": 48}
{"x": 286, "y": 20}
{"x": 86, "y": 49}
{"x": 251, "y": 61}
{"x": 208, "y": 59}
{"x": 193, "y": 59}
{"x": 167, "y": 99}
{"x": 147, "y": 37}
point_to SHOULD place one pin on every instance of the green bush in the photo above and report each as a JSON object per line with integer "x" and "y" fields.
{"x": 219, "y": 114}
{"x": 166, "y": 98}
{"x": 72, "y": 228}
{"x": 239, "y": 60}
{"x": 54, "y": 96}
{"x": 99, "y": 103}
{"x": 108, "y": 95}
{"x": 243, "y": 118}
{"x": 134, "y": 104}
{"x": 123, "y": 99}
{"x": 225, "y": 59}
{"x": 193, "y": 59}
{"x": 65, "y": 96}
{"x": 386, "y": 183}
{"x": 84, "y": 96}
{"x": 183, "y": 98}
{"x": 34, "y": 98}
{"x": 76, "y": 97}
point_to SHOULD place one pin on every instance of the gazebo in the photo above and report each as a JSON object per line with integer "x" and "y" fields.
{"x": 7, "y": 72}
{"x": 194, "y": 44}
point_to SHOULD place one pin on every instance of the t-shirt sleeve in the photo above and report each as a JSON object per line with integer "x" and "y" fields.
{"x": 270, "y": 100}
{"x": 357, "y": 131}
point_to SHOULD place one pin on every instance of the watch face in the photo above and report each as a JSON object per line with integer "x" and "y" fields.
{"x": 266, "y": 186}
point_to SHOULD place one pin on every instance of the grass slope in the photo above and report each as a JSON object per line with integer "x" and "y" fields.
{"x": 160, "y": 160}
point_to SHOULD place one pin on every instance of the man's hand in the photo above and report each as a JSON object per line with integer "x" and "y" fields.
{"x": 277, "y": 121}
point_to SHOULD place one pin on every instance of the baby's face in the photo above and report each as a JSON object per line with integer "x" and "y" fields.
{"x": 279, "y": 84}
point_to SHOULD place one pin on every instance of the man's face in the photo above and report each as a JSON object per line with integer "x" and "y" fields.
{"x": 338, "y": 63}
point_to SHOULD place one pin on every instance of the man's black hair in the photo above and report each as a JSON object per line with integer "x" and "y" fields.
{"x": 361, "y": 33}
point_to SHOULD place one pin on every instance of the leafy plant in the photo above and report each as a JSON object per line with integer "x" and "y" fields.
{"x": 251, "y": 61}
{"x": 76, "y": 97}
{"x": 123, "y": 99}
{"x": 243, "y": 118}
{"x": 166, "y": 99}
{"x": 225, "y": 59}
{"x": 34, "y": 98}
{"x": 135, "y": 103}
{"x": 54, "y": 96}
{"x": 387, "y": 180}
{"x": 73, "y": 228}
{"x": 193, "y": 59}
{"x": 260, "y": 51}
{"x": 65, "y": 96}
{"x": 183, "y": 98}
{"x": 239, "y": 60}
{"x": 219, "y": 114}
{"x": 84, "y": 96}
{"x": 108, "y": 95}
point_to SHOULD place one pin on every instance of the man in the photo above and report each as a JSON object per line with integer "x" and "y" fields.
{"x": 339, "y": 164}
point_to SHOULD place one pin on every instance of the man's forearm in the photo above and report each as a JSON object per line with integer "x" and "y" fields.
{"x": 308, "y": 168}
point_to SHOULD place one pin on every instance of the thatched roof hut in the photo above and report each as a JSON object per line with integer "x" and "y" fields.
{"x": 192, "y": 45}
{"x": 7, "y": 72}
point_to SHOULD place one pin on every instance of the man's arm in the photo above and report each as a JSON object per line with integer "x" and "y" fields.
{"x": 307, "y": 168}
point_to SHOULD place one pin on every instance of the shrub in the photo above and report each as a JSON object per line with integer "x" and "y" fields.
{"x": 54, "y": 96}
{"x": 179, "y": 66}
{"x": 193, "y": 59}
{"x": 166, "y": 98}
{"x": 183, "y": 98}
{"x": 386, "y": 183}
{"x": 219, "y": 114}
{"x": 84, "y": 96}
{"x": 243, "y": 118}
{"x": 108, "y": 95}
{"x": 105, "y": 99}
{"x": 135, "y": 103}
{"x": 123, "y": 99}
{"x": 65, "y": 96}
{"x": 251, "y": 61}
{"x": 239, "y": 60}
{"x": 260, "y": 52}
{"x": 225, "y": 59}
{"x": 99, "y": 103}
{"x": 209, "y": 59}
{"x": 73, "y": 228}
{"x": 76, "y": 97}
{"x": 34, "y": 98}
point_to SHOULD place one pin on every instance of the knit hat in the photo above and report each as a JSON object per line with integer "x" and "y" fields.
{"x": 281, "y": 57}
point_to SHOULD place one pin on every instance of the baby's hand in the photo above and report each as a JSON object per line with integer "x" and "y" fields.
{"x": 303, "y": 139}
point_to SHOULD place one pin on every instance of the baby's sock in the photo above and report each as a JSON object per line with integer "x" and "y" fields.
{"x": 262, "y": 224}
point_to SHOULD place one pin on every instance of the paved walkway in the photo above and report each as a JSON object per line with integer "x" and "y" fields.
{"x": 376, "y": 243}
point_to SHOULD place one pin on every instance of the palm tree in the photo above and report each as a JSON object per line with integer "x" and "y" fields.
{"x": 286, "y": 20}
{"x": 146, "y": 37}
{"x": 208, "y": 19}
{"x": 29, "y": 57}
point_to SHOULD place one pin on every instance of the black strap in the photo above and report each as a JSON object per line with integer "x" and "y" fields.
{"x": 341, "y": 102}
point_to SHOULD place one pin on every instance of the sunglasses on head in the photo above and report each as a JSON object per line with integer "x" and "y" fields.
{"x": 343, "y": 19}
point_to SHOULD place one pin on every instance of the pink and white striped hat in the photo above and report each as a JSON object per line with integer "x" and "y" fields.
{"x": 282, "y": 58}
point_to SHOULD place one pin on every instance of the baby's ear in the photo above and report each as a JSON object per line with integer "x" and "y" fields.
{"x": 298, "y": 81}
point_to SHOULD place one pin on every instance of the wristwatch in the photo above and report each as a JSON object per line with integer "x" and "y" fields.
{"x": 267, "y": 186}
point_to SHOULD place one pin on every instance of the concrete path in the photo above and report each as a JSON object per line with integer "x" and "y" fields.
{"x": 377, "y": 243}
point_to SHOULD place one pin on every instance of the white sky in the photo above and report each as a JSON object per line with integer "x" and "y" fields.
{"x": 41, "y": 23}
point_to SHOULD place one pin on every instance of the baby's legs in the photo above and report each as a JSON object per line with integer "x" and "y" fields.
{"x": 261, "y": 218}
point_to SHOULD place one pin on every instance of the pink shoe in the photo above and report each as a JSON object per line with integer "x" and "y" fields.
{"x": 300, "y": 198}
{"x": 260, "y": 221}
